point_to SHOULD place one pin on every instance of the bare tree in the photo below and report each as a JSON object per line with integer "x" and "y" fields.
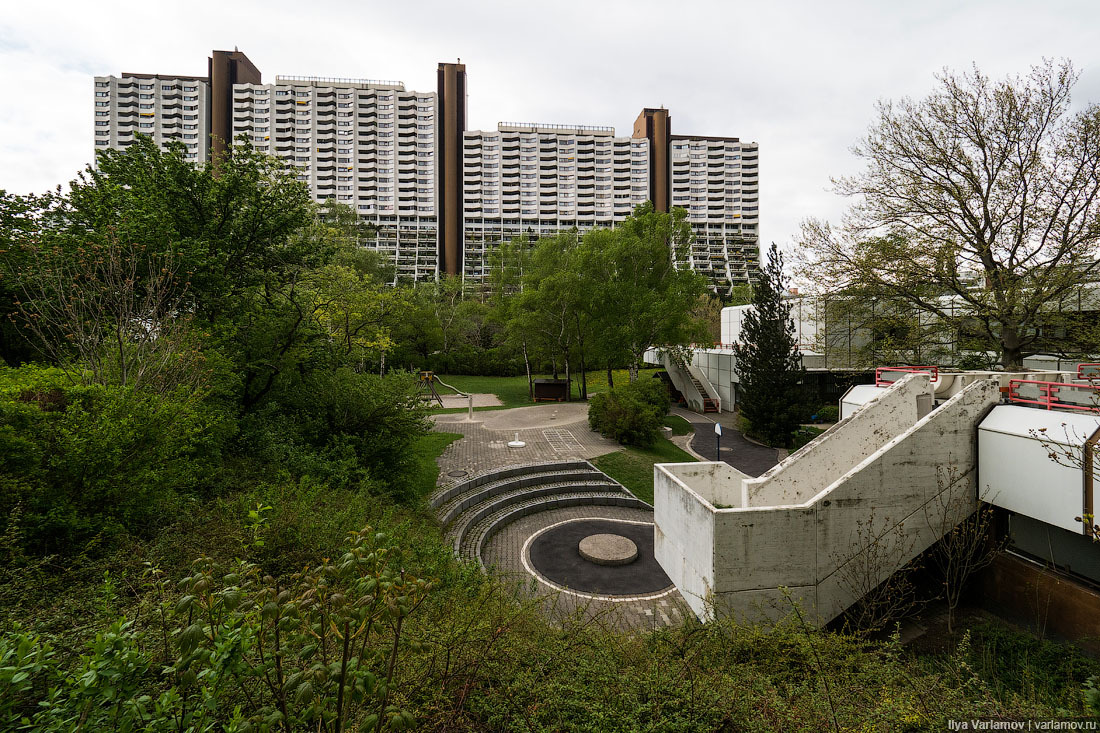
{"x": 869, "y": 572}
{"x": 111, "y": 313}
{"x": 978, "y": 205}
{"x": 967, "y": 543}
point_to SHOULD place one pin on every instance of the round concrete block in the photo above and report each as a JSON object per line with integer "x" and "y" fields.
{"x": 608, "y": 549}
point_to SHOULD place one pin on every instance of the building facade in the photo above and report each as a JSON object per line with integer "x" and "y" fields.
{"x": 369, "y": 145}
{"x": 440, "y": 197}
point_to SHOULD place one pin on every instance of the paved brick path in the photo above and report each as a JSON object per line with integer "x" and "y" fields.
{"x": 744, "y": 455}
{"x": 552, "y": 433}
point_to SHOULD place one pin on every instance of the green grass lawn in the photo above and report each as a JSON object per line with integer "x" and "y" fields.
{"x": 633, "y": 467}
{"x": 426, "y": 450}
{"x": 679, "y": 425}
{"x": 804, "y": 435}
{"x": 512, "y": 391}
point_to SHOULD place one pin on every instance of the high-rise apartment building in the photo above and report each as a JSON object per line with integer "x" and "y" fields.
{"x": 193, "y": 110}
{"x": 538, "y": 179}
{"x": 166, "y": 108}
{"x": 370, "y": 145}
{"x": 441, "y": 197}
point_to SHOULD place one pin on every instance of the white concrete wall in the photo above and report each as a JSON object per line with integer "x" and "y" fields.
{"x": 807, "y": 546}
{"x": 1015, "y": 444}
{"x": 683, "y": 537}
{"x": 908, "y": 484}
{"x": 717, "y": 366}
{"x": 818, "y": 464}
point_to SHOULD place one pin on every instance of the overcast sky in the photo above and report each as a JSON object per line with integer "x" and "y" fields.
{"x": 801, "y": 78}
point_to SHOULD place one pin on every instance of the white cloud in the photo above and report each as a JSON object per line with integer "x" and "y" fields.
{"x": 800, "y": 77}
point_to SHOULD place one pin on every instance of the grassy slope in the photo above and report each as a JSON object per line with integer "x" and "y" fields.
{"x": 427, "y": 449}
{"x": 633, "y": 467}
{"x": 679, "y": 425}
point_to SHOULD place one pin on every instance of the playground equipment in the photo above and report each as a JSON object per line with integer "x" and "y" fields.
{"x": 429, "y": 392}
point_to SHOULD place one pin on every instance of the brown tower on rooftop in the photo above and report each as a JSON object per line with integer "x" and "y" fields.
{"x": 656, "y": 126}
{"x": 226, "y": 68}
{"x": 450, "y": 118}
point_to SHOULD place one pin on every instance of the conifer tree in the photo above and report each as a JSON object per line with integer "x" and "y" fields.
{"x": 767, "y": 360}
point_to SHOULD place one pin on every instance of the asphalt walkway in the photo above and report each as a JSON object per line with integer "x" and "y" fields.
{"x": 744, "y": 455}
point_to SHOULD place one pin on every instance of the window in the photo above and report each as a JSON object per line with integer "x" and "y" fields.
{"x": 103, "y": 83}
{"x": 166, "y": 87}
{"x": 101, "y": 123}
{"x": 145, "y": 96}
{"x": 103, "y": 132}
{"x": 145, "y": 86}
{"x": 103, "y": 94}
{"x": 191, "y": 99}
{"x": 190, "y": 117}
{"x": 101, "y": 114}
{"x": 101, "y": 142}
{"x": 192, "y": 136}
{"x": 145, "y": 124}
{"x": 102, "y": 104}
{"x": 145, "y": 106}
{"x": 190, "y": 107}
{"x": 195, "y": 89}
{"x": 281, "y": 92}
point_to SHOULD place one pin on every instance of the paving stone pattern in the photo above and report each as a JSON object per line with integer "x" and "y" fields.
{"x": 552, "y": 434}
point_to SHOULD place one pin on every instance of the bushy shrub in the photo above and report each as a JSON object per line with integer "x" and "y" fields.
{"x": 346, "y": 428}
{"x": 828, "y": 413}
{"x": 88, "y": 461}
{"x": 631, "y": 413}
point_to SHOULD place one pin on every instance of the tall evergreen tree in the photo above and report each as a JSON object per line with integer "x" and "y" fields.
{"x": 767, "y": 359}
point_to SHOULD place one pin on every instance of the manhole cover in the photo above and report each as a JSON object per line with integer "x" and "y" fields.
{"x": 458, "y": 474}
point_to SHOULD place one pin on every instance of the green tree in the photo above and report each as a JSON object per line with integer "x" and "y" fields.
{"x": 644, "y": 296}
{"x": 979, "y": 206}
{"x": 767, "y": 359}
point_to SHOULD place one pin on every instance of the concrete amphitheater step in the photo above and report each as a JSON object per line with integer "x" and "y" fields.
{"x": 523, "y": 494}
{"x": 471, "y": 539}
{"x": 447, "y": 493}
{"x": 458, "y": 504}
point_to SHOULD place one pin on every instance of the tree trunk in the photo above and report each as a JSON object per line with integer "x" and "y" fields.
{"x": 610, "y": 379}
{"x": 527, "y": 365}
{"x": 568, "y": 384}
{"x": 1012, "y": 357}
{"x": 584, "y": 378}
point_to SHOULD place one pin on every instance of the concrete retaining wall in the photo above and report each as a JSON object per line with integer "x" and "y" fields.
{"x": 818, "y": 464}
{"x": 898, "y": 489}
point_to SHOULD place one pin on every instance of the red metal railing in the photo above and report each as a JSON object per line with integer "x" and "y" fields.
{"x": 1048, "y": 395}
{"x": 1088, "y": 371}
{"x": 932, "y": 371}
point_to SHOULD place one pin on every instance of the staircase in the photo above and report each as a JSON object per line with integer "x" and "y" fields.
{"x": 698, "y": 396}
{"x": 474, "y": 510}
{"x": 709, "y": 404}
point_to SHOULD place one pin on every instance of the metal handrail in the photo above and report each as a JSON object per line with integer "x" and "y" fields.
{"x": 1048, "y": 394}
{"x": 1094, "y": 371}
{"x": 932, "y": 371}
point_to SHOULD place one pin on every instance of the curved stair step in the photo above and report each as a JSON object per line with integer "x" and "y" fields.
{"x": 453, "y": 509}
{"x": 478, "y": 535}
{"x": 446, "y": 493}
{"x": 476, "y": 513}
